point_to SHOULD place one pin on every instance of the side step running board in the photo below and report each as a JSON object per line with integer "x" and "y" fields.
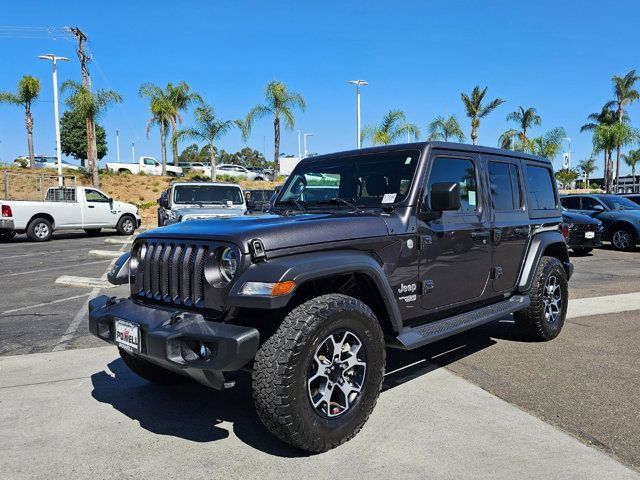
{"x": 413, "y": 337}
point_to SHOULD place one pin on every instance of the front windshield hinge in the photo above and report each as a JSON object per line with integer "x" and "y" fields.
{"x": 257, "y": 250}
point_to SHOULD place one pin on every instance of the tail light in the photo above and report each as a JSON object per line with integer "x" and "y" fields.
{"x": 6, "y": 211}
{"x": 565, "y": 231}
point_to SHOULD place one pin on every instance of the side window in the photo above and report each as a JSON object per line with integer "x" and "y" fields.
{"x": 515, "y": 186}
{"x": 504, "y": 190}
{"x": 571, "y": 203}
{"x": 541, "y": 194}
{"x": 589, "y": 203}
{"x": 460, "y": 170}
{"x": 149, "y": 161}
{"x": 95, "y": 196}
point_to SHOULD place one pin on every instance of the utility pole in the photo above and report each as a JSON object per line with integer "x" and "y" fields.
{"x": 90, "y": 124}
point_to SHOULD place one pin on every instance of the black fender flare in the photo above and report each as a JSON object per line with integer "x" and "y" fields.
{"x": 539, "y": 243}
{"x": 312, "y": 266}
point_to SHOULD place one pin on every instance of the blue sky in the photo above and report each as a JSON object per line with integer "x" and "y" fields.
{"x": 417, "y": 56}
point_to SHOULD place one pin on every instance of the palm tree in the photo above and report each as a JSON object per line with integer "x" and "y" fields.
{"x": 547, "y": 145}
{"x": 442, "y": 128}
{"x": 624, "y": 94}
{"x": 587, "y": 167}
{"x": 526, "y": 119}
{"x": 393, "y": 127}
{"x": 476, "y": 110}
{"x": 604, "y": 140}
{"x": 28, "y": 91}
{"x": 90, "y": 106}
{"x": 163, "y": 113}
{"x": 181, "y": 98}
{"x": 632, "y": 159}
{"x": 606, "y": 117}
{"x": 624, "y": 135}
{"x": 279, "y": 102}
{"x": 209, "y": 128}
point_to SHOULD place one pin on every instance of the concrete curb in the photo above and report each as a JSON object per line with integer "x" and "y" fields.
{"x": 86, "y": 282}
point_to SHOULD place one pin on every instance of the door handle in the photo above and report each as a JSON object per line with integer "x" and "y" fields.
{"x": 521, "y": 230}
{"x": 91, "y": 206}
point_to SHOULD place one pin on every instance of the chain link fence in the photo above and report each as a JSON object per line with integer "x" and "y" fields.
{"x": 34, "y": 186}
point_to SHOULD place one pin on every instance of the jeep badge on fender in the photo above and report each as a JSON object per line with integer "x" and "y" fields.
{"x": 396, "y": 246}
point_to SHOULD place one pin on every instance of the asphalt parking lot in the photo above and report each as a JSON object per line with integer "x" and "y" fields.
{"x": 584, "y": 383}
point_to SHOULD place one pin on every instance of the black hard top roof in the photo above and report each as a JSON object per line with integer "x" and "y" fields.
{"x": 458, "y": 147}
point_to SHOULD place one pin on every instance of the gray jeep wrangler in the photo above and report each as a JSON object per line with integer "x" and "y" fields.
{"x": 413, "y": 244}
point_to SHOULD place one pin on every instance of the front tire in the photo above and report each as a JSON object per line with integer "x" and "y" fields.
{"x": 126, "y": 225}
{"x": 149, "y": 371}
{"x": 544, "y": 318}
{"x": 623, "y": 239}
{"x": 317, "y": 379}
{"x": 40, "y": 230}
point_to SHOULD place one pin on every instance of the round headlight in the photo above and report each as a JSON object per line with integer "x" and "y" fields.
{"x": 228, "y": 264}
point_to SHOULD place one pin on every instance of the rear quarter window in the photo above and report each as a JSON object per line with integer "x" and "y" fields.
{"x": 541, "y": 193}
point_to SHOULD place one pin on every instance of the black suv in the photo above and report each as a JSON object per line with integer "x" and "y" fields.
{"x": 419, "y": 242}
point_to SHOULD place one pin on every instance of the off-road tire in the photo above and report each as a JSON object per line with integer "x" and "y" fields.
{"x": 623, "y": 230}
{"x": 39, "y": 225}
{"x": 282, "y": 364}
{"x": 582, "y": 250}
{"x": 149, "y": 371}
{"x": 7, "y": 235}
{"x": 125, "y": 228}
{"x": 532, "y": 321}
{"x": 92, "y": 232}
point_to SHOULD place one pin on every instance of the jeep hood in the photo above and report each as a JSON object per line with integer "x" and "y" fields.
{"x": 278, "y": 231}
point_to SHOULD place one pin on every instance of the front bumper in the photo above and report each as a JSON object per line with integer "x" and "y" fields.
{"x": 6, "y": 224}
{"x": 171, "y": 339}
{"x": 578, "y": 240}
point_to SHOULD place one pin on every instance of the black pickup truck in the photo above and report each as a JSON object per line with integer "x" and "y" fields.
{"x": 417, "y": 242}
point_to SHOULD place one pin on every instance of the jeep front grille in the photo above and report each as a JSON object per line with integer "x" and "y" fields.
{"x": 171, "y": 272}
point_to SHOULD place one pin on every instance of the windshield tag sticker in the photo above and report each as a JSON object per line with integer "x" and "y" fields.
{"x": 389, "y": 197}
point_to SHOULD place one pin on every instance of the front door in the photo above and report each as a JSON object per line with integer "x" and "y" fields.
{"x": 455, "y": 249}
{"x": 510, "y": 224}
{"x": 98, "y": 209}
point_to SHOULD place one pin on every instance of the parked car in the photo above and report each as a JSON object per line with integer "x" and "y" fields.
{"x": 309, "y": 297}
{"x": 66, "y": 208}
{"x": 634, "y": 197}
{"x": 198, "y": 200}
{"x": 238, "y": 171}
{"x": 258, "y": 199}
{"x": 261, "y": 171}
{"x": 620, "y": 216}
{"x": 204, "y": 168}
{"x": 581, "y": 232}
{"x": 49, "y": 162}
{"x": 147, "y": 165}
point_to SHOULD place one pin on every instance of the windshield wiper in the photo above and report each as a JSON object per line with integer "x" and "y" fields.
{"x": 338, "y": 201}
{"x": 294, "y": 202}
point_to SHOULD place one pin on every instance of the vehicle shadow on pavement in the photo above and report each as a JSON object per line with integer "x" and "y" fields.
{"x": 189, "y": 411}
{"x": 193, "y": 412}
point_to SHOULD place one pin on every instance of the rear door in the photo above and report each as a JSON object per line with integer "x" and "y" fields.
{"x": 455, "y": 253}
{"x": 510, "y": 221}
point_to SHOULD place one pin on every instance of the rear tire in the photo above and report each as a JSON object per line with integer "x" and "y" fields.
{"x": 7, "y": 235}
{"x": 582, "y": 251}
{"x": 544, "y": 318}
{"x": 39, "y": 230}
{"x": 258, "y": 179}
{"x": 623, "y": 239}
{"x": 92, "y": 232}
{"x": 126, "y": 225}
{"x": 317, "y": 379}
{"x": 149, "y": 371}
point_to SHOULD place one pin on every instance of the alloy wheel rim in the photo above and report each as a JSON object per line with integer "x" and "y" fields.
{"x": 127, "y": 225}
{"x": 336, "y": 374}
{"x": 621, "y": 239}
{"x": 552, "y": 299}
{"x": 41, "y": 230}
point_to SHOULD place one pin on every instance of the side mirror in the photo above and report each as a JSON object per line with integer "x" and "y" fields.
{"x": 163, "y": 202}
{"x": 111, "y": 203}
{"x": 598, "y": 208}
{"x": 445, "y": 196}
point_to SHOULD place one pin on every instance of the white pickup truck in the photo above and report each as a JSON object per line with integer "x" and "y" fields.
{"x": 148, "y": 165}
{"x": 66, "y": 208}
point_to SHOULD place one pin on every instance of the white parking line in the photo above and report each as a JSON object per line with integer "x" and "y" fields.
{"x": 118, "y": 240}
{"x": 73, "y": 265}
{"x": 73, "y": 281}
{"x": 40, "y": 253}
{"x": 587, "y": 307}
{"x": 105, "y": 253}
{"x": 37, "y": 305}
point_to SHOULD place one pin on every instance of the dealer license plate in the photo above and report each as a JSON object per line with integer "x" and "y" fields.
{"x": 128, "y": 335}
{"x": 589, "y": 234}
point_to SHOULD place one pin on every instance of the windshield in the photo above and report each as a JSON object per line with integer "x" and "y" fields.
{"x": 210, "y": 194}
{"x": 366, "y": 180}
{"x": 619, "y": 203}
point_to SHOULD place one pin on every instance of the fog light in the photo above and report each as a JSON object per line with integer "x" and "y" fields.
{"x": 204, "y": 352}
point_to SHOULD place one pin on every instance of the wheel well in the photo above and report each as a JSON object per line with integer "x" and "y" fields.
{"x": 557, "y": 250}
{"x": 620, "y": 224}
{"x": 42, "y": 215}
{"x": 124, "y": 170}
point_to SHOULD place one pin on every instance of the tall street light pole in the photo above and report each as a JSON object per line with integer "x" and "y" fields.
{"x": 305, "y": 143}
{"x": 358, "y": 83}
{"x": 118, "y": 145}
{"x": 54, "y": 59}
{"x": 299, "y": 150}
